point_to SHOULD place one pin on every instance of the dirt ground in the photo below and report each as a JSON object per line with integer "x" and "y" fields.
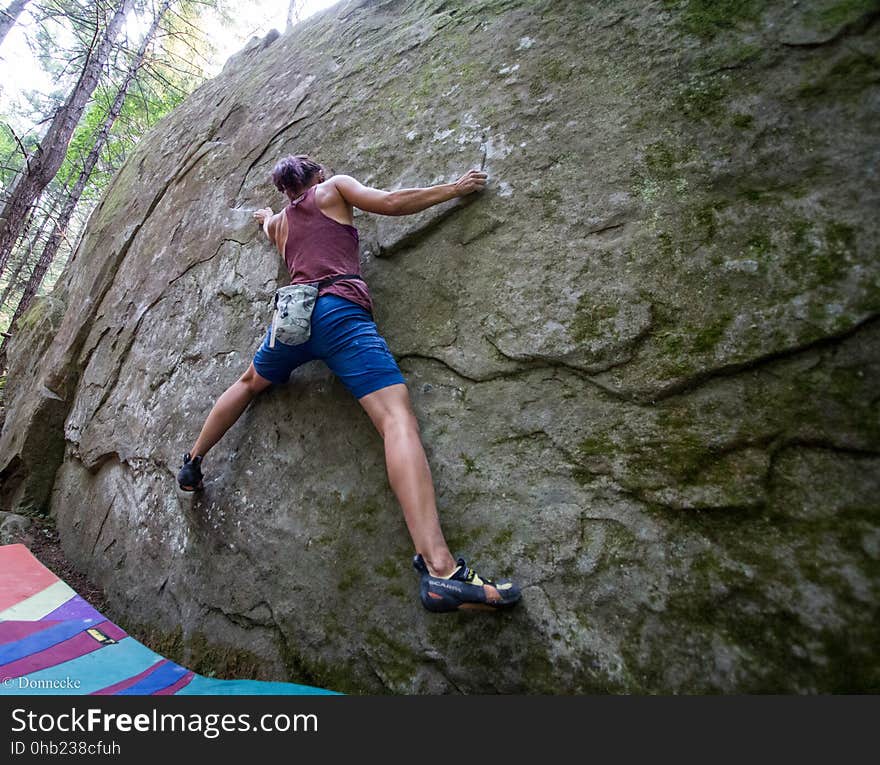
{"x": 41, "y": 538}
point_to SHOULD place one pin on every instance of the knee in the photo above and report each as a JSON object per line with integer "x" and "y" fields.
{"x": 253, "y": 382}
{"x": 399, "y": 422}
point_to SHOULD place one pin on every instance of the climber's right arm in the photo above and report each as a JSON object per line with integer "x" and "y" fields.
{"x": 274, "y": 226}
{"x": 406, "y": 201}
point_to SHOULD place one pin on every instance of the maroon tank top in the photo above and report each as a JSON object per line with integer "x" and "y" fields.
{"x": 318, "y": 247}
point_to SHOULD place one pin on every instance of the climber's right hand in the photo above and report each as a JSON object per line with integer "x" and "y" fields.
{"x": 260, "y": 216}
{"x": 472, "y": 180}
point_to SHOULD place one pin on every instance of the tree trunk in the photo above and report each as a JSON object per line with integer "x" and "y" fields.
{"x": 24, "y": 260}
{"x": 9, "y": 15}
{"x": 29, "y": 291}
{"x": 16, "y": 272}
{"x": 27, "y": 225}
{"x": 294, "y": 12}
{"x": 44, "y": 163}
{"x": 60, "y": 227}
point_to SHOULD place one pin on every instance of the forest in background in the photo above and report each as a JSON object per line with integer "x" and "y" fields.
{"x": 115, "y": 68}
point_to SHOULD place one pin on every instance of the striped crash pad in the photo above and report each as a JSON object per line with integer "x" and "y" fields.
{"x": 53, "y": 642}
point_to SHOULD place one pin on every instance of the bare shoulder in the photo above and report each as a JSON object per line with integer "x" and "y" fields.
{"x": 341, "y": 180}
{"x": 337, "y": 187}
{"x": 332, "y": 200}
{"x": 365, "y": 198}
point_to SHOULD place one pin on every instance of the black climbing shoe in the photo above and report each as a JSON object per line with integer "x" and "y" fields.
{"x": 189, "y": 478}
{"x": 464, "y": 589}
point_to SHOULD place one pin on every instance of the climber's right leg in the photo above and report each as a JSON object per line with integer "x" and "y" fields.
{"x": 349, "y": 341}
{"x": 408, "y": 473}
{"x": 446, "y": 584}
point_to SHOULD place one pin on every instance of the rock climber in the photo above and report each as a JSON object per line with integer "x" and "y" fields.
{"x": 324, "y": 249}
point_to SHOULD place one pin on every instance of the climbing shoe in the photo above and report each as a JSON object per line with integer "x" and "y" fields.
{"x": 463, "y": 590}
{"x": 189, "y": 478}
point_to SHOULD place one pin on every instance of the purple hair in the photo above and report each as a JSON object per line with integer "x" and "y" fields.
{"x": 295, "y": 173}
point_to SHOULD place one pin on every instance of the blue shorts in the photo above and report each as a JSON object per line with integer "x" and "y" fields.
{"x": 345, "y": 337}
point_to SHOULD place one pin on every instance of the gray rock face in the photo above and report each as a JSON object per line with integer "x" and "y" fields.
{"x": 644, "y": 360}
{"x": 12, "y": 526}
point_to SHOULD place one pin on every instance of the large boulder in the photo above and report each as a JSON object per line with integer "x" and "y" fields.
{"x": 644, "y": 360}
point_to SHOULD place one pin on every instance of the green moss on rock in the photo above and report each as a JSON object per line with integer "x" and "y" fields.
{"x": 597, "y": 444}
{"x": 847, "y": 77}
{"x": 590, "y": 318}
{"x": 833, "y": 15}
{"x": 706, "y": 18}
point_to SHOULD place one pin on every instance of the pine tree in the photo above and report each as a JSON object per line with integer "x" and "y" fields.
{"x": 30, "y": 244}
{"x": 60, "y": 224}
{"x": 44, "y": 163}
{"x": 9, "y": 15}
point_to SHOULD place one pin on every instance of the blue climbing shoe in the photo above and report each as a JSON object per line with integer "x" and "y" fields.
{"x": 189, "y": 477}
{"x": 463, "y": 590}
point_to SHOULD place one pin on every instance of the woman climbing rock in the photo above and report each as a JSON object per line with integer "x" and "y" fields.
{"x": 329, "y": 303}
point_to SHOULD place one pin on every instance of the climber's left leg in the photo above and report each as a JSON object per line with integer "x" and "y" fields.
{"x": 224, "y": 413}
{"x": 270, "y": 365}
{"x": 228, "y": 408}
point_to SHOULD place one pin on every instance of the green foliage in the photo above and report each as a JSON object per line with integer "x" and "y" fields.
{"x": 10, "y": 156}
{"x": 175, "y": 64}
{"x": 81, "y": 144}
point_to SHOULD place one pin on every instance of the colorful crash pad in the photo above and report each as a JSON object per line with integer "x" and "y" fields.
{"x": 53, "y": 642}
